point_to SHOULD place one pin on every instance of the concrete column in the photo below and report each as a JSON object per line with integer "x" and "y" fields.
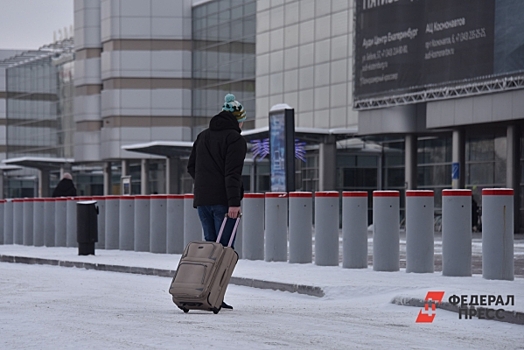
{"x": 144, "y": 176}
{"x": 458, "y": 156}
{"x": 107, "y": 179}
{"x": 173, "y": 175}
{"x": 386, "y": 231}
{"x": 355, "y": 229}
{"x": 456, "y": 233}
{"x": 513, "y": 170}
{"x": 497, "y": 234}
{"x": 43, "y": 183}
{"x": 276, "y": 226}
{"x": 125, "y": 167}
{"x": 420, "y": 230}
{"x": 410, "y": 161}
{"x": 327, "y": 163}
{"x": 300, "y": 227}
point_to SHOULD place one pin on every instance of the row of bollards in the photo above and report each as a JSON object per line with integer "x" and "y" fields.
{"x": 279, "y": 227}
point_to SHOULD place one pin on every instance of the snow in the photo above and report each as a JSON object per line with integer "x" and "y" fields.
{"x": 52, "y": 307}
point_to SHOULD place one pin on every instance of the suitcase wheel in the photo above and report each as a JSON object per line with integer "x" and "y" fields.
{"x": 183, "y": 309}
{"x": 216, "y": 310}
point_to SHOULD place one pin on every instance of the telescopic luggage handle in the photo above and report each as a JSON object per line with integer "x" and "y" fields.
{"x": 232, "y": 233}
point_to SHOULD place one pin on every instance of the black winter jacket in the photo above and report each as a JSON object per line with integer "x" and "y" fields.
{"x": 216, "y": 162}
{"x": 65, "y": 188}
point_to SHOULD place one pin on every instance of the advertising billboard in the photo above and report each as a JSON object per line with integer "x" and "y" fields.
{"x": 405, "y": 46}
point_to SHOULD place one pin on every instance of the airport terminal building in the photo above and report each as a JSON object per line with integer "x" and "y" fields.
{"x": 386, "y": 94}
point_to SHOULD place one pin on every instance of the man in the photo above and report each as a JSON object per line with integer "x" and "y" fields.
{"x": 216, "y": 163}
{"x": 66, "y": 187}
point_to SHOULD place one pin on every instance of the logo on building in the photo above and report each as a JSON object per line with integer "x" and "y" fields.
{"x": 427, "y": 315}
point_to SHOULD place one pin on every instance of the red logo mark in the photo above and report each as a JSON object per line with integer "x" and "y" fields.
{"x": 427, "y": 315}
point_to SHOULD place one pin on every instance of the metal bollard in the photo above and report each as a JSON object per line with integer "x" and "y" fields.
{"x": 126, "y": 224}
{"x": 386, "y": 232}
{"x": 112, "y": 224}
{"x": 497, "y": 234}
{"x": 456, "y": 232}
{"x": 18, "y": 228}
{"x": 2, "y": 210}
{"x": 175, "y": 224}
{"x": 192, "y": 225}
{"x": 101, "y": 203}
{"x": 49, "y": 222}
{"x": 326, "y": 228}
{"x": 142, "y": 223}
{"x": 158, "y": 224}
{"x": 276, "y": 226}
{"x": 28, "y": 221}
{"x": 71, "y": 226}
{"x": 61, "y": 222}
{"x": 420, "y": 218}
{"x": 355, "y": 229}
{"x": 253, "y": 226}
{"x": 38, "y": 222}
{"x": 8, "y": 222}
{"x": 300, "y": 227}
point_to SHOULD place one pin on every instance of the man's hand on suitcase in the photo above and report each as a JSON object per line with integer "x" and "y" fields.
{"x": 233, "y": 212}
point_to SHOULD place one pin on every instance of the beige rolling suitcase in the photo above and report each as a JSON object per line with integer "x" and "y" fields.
{"x": 203, "y": 274}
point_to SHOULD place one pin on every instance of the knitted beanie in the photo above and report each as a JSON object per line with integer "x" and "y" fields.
{"x": 235, "y": 107}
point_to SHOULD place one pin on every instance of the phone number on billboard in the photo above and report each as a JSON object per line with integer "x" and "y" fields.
{"x": 469, "y": 35}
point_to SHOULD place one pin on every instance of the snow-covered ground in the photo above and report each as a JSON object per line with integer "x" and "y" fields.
{"x": 50, "y": 307}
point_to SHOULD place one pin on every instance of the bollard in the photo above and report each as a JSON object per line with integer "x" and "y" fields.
{"x": 2, "y": 210}
{"x": 126, "y": 223}
{"x": 253, "y": 226}
{"x": 142, "y": 222}
{"x": 386, "y": 232}
{"x": 420, "y": 218}
{"x": 18, "y": 228}
{"x": 158, "y": 224}
{"x": 101, "y": 203}
{"x": 87, "y": 225}
{"x": 192, "y": 225}
{"x": 61, "y": 222}
{"x": 276, "y": 226}
{"x": 49, "y": 222}
{"x": 355, "y": 229}
{"x": 300, "y": 227}
{"x": 38, "y": 222}
{"x": 456, "y": 232}
{"x": 28, "y": 221}
{"x": 71, "y": 222}
{"x": 112, "y": 222}
{"x": 497, "y": 234}
{"x": 175, "y": 224}
{"x": 8, "y": 222}
{"x": 326, "y": 228}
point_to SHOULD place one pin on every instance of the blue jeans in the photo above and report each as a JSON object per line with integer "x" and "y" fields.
{"x": 211, "y": 217}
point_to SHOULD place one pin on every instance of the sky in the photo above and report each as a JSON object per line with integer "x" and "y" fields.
{"x": 52, "y": 307}
{"x": 30, "y": 24}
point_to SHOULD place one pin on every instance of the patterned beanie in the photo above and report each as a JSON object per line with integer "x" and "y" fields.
{"x": 235, "y": 107}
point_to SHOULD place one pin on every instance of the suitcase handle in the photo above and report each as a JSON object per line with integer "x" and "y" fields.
{"x": 232, "y": 233}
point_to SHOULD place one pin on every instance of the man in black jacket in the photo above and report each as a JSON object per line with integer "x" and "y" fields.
{"x": 66, "y": 187}
{"x": 216, "y": 163}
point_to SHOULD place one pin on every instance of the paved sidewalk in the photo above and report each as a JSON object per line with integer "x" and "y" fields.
{"x": 329, "y": 282}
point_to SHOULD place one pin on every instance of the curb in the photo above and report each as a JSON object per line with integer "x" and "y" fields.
{"x": 513, "y": 317}
{"x": 239, "y": 281}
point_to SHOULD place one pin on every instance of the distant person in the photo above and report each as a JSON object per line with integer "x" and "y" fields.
{"x": 66, "y": 187}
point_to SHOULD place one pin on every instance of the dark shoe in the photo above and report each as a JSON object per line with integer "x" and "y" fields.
{"x": 226, "y": 306}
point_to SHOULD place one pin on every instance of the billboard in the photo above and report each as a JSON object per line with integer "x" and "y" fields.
{"x": 406, "y": 46}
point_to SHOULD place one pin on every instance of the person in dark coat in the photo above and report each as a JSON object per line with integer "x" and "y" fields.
{"x": 215, "y": 164}
{"x": 66, "y": 187}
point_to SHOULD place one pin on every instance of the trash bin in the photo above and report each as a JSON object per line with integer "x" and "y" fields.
{"x": 86, "y": 227}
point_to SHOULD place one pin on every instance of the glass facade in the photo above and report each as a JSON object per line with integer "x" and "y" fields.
{"x": 224, "y": 36}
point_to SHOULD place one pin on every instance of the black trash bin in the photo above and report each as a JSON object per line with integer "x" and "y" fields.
{"x": 86, "y": 227}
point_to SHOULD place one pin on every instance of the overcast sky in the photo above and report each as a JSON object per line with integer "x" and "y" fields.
{"x": 29, "y": 24}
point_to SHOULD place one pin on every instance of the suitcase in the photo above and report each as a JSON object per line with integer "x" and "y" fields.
{"x": 203, "y": 273}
